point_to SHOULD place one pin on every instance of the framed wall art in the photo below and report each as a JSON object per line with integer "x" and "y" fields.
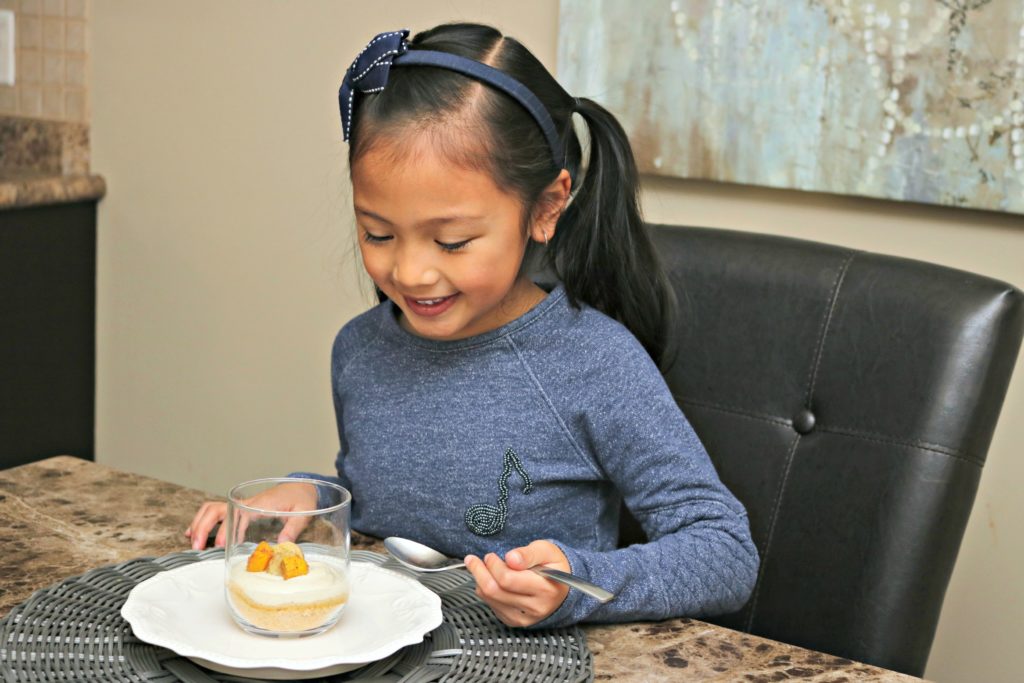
{"x": 909, "y": 100}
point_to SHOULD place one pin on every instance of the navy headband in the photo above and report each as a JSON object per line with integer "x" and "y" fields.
{"x": 369, "y": 74}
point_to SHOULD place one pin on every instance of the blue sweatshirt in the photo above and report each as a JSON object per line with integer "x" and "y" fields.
{"x": 538, "y": 430}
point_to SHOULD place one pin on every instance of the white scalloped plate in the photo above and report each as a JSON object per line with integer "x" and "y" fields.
{"x": 184, "y": 610}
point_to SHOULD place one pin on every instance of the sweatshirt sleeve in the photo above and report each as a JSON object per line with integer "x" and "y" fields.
{"x": 700, "y": 559}
{"x": 339, "y": 356}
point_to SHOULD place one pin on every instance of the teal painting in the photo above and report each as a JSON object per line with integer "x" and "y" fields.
{"x": 909, "y": 100}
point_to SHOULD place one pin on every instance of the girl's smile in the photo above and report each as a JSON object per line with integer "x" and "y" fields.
{"x": 443, "y": 242}
{"x": 431, "y": 307}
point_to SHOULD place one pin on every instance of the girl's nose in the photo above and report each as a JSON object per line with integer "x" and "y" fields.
{"x": 411, "y": 270}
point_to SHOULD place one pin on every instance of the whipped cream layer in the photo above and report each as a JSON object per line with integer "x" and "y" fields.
{"x": 325, "y": 582}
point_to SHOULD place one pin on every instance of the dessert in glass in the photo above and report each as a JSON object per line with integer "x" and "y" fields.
{"x": 286, "y": 564}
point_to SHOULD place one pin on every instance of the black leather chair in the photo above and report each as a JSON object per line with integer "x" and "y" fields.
{"x": 848, "y": 399}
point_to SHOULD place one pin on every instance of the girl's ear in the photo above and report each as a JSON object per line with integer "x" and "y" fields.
{"x": 550, "y": 206}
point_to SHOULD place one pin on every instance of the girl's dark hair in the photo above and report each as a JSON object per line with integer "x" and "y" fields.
{"x": 601, "y": 251}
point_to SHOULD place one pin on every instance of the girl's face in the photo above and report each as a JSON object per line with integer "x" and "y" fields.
{"x": 443, "y": 242}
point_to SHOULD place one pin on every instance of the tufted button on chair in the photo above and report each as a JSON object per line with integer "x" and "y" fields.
{"x": 848, "y": 399}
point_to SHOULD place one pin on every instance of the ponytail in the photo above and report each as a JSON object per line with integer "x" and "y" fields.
{"x": 601, "y": 250}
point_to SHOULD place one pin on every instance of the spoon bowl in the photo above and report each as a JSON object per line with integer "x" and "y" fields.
{"x": 421, "y": 558}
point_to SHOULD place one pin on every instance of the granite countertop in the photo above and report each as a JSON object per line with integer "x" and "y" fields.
{"x": 19, "y": 190}
{"x": 63, "y": 516}
{"x": 45, "y": 162}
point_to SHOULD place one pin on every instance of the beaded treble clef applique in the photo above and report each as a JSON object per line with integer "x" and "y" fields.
{"x": 487, "y": 520}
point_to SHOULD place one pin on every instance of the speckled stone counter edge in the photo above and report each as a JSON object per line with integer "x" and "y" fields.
{"x": 16, "y": 194}
{"x": 45, "y": 162}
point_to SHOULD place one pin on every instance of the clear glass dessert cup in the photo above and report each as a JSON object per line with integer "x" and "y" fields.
{"x": 286, "y": 559}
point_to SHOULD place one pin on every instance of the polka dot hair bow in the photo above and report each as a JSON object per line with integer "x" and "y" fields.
{"x": 369, "y": 72}
{"x": 371, "y": 68}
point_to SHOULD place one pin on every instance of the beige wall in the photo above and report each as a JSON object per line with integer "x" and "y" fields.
{"x": 225, "y": 263}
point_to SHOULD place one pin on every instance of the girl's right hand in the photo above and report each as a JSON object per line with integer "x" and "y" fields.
{"x": 292, "y": 496}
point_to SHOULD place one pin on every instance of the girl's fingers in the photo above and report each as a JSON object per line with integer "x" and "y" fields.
{"x": 292, "y": 528}
{"x": 523, "y": 582}
{"x": 543, "y": 553}
{"x": 494, "y": 579}
{"x": 241, "y": 524}
{"x": 196, "y": 524}
{"x": 487, "y": 587}
{"x": 510, "y": 581}
{"x": 284, "y": 497}
{"x": 481, "y": 575}
{"x": 222, "y": 536}
{"x": 195, "y": 520}
{"x": 210, "y": 514}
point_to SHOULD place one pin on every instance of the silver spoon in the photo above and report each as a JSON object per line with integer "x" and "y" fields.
{"x": 420, "y": 558}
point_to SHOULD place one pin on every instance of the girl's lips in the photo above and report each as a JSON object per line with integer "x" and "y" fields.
{"x": 430, "y": 307}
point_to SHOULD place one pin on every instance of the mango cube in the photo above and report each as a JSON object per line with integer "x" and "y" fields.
{"x": 292, "y": 566}
{"x": 260, "y": 558}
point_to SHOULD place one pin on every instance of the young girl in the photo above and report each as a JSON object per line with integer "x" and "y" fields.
{"x": 479, "y": 413}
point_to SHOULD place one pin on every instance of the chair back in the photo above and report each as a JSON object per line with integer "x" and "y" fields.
{"x": 848, "y": 399}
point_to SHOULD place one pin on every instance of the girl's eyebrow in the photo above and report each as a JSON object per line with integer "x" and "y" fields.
{"x": 371, "y": 214}
{"x": 439, "y": 220}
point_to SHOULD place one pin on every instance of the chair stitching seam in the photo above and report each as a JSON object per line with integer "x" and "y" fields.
{"x": 738, "y": 411}
{"x": 922, "y": 445}
{"x": 825, "y": 323}
{"x": 771, "y": 533}
{"x": 811, "y": 380}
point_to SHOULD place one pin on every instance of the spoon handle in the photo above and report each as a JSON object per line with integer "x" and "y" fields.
{"x": 576, "y": 582}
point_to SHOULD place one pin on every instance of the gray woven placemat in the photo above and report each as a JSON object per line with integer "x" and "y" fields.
{"x": 73, "y": 631}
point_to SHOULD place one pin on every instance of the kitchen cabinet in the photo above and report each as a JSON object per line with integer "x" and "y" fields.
{"x": 47, "y": 331}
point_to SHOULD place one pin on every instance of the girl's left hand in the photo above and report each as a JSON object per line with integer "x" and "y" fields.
{"x": 518, "y": 596}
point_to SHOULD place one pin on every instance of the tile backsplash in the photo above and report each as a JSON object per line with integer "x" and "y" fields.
{"x": 51, "y": 59}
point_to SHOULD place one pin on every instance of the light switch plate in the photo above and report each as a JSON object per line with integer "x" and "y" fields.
{"x": 6, "y": 47}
